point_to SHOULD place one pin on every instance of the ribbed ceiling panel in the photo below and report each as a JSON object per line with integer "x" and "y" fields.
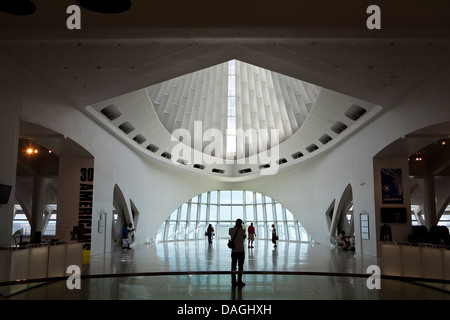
{"x": 265, "y": 100}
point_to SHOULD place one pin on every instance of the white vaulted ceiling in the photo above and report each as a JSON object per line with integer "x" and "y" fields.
{"x": 115, "y": 60}
{"x": 170, "y": 121}
{"x": 264, "y": 101}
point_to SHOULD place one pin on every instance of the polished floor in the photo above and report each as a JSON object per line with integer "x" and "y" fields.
{"x": 194, "y": 270}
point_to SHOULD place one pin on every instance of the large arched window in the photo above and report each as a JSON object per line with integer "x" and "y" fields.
{"x": 221, "y": 208}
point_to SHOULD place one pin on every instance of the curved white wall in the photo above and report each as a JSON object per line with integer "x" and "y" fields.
{"x": 307, "y": 190}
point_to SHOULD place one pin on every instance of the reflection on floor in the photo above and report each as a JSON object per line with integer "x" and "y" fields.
{"x": 292, "y": 271}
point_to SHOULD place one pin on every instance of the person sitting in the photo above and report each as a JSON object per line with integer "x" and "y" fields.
{"x": 343, "y": 241}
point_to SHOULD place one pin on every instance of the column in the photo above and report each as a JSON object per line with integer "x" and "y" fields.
{"x": 9, "y": 135}
{"x": 38, "y": 206}
{"x": 429, "y": 202}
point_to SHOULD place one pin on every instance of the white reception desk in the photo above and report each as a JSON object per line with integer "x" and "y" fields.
{"x": 429, "y": 262}
{"x": 39, "y": 262}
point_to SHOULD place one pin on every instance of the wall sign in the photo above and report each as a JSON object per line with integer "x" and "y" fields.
{"x": 85, "y": 206}
{"x": 392, "y": 186}
{"x": 365, "y": 226}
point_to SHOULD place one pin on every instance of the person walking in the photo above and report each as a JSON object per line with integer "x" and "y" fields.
{"x": 251, "y": 235}
{"x": 237, "y": 253}
{"x": 274, "y": 236}
{"x": 210, "y": 233}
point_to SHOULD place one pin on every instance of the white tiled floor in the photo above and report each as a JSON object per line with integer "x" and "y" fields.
{"x": 194, "y": 270}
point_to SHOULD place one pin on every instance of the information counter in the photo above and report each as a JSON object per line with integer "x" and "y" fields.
{"x": 37, "y": 262}
{"x": 418, "y": 261}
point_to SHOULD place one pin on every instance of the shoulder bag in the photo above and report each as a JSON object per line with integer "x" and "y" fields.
{"x": 231, "y": 243}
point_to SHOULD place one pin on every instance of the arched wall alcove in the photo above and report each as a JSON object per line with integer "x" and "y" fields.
{"x": 121, "y": 214}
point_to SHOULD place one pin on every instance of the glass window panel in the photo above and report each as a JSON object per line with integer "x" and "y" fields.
{"x": 171, "y": 230}
{"x": 160, "y": 234}
{"x": 51, "y": 229}
{"x": 231, "y": 144}
{"x": 223, "y": 229}
{"x": 260, "y": 230}
{"x": 303, "y": 234}
{"x": 238, "y": 213}
{"x": 231, "y": 87}
{"x": 192, "y": 230}
{"x": 225, "y": 213}
{"x": 174, "y": 215}
{"x": 258, "y": 198}
{"x": 237, "y": 197}
{"x": 203, "y": 208}
{"x": 248, "y": 197}
{"x": 204, "y": 197}
{"x": 232, "y": 105}
{"x": 249, "y": 213}
{"x": 225, "y": 197}
{"x": 269, "y": 212}
{"x": 279, "y": 212}
{"x": 280, "y": 231}
{"x": 193, "y": 214}
{"x": 212, "y": 213}
{"x": 192, "y": 224}
{"x": 181, "y": 232}
{"x": 20, "y": 216}
{"x": 289, "y": 216}
{"x": 25, "y": 226}
{"x": 291, "y": 231}
{"x": 213, "y": 196}
{"x": 183, "y": 213}
{"x": 259, "y": 212}
{"x": 201, "y": 229}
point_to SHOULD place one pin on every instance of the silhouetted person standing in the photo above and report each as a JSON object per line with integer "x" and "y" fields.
{"x": 237, "y": 253}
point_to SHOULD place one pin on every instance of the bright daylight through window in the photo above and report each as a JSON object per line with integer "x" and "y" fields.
{"x": 222, "y": 208}
{"x": 231, "y": 113}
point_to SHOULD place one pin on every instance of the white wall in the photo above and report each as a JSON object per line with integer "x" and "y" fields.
{"x": 10, "y": 101}
{"x": 306, "y": 190}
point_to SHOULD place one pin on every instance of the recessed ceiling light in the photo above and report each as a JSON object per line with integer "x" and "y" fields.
{"x": 17, "y": 7}
{"x": 106, "y": 6}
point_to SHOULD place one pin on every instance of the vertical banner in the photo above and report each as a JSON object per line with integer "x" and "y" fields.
{"x": 392, "y": 186}
{"x": 85, "y": 206}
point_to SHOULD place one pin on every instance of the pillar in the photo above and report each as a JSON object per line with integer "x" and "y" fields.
{"x": 38, "y": 205}
{"x": 429, "y": 202}
{"x": 9, "y": 135}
